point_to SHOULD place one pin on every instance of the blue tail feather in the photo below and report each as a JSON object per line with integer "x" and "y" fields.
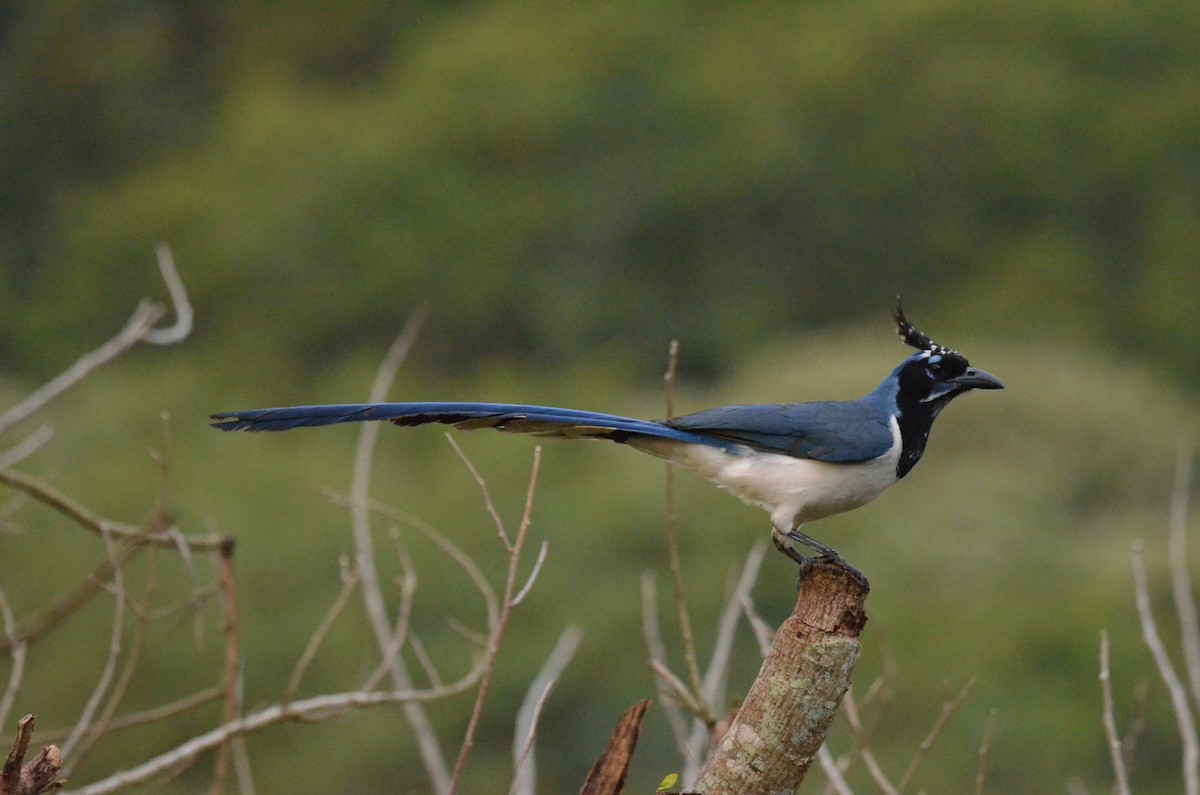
{"x": 514, "y": 418}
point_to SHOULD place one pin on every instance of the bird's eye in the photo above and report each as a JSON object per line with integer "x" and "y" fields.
{"x": 935, "y": 367}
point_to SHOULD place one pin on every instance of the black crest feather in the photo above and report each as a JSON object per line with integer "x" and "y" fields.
{"x": 912, "y": 336}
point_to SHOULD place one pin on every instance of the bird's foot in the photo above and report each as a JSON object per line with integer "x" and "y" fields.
{"x": 826, "y": 555}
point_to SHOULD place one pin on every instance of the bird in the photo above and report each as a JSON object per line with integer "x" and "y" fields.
{"x": 799, "y": 461}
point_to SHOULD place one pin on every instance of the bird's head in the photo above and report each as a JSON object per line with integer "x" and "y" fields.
{"x": 936, "y": 374}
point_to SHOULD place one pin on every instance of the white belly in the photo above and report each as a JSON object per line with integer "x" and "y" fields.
{"x": 793, "y": 490}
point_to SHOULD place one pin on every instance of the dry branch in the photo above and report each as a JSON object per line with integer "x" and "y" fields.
{"x": 795, "y": 697}
{"x": 607, "y": 776}
{"x": 139, "y": 328}
{"x": 39, "y": 775}
{"x": 310, "y": 709}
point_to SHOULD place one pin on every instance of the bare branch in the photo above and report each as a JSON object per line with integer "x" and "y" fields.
{"x": 833, "y": 772}
{"x": 27, "y": 446}
{"x": 154, "y": 715}
{"x": 676, "y": 689}
{"x": 1115, "y": 753}
{"x": 850, "y": 708}
{"x": 985, "y": 748}
{"x": 506, "y": 605}
{"x": 318, "y": 636}
{"x": 1181, "y": 581}
{"x": 179, "y": 300}
{"x": 611, "y": 769}
{"x": 473, "y": 572}
{"x": 533, "y": 574}
{"x": 136, "y": 645}
{"x": 381, "y": 625}
{"x": 227, "y": 584}
{"x": 658, "y": 656}
{"x": 140, "y": 326}
{"x": 17, "y": 649}
{"x": 762, "y": 631}
{"x": 1179, "y": 698}
{"x": 524, "y": 767}
{"x": 40, "y": 774}
{"x": 681, "y": 613}
{"x": 488, "y": 504}
{"x": 787, "y": 713}
{"x": 948, "y": 710}
{"x": 418, "y": 648}
{"x": 98, "y": 525}
{"x": 408, "y": 588}
{"x": 114, "y": 652}
{"x": 716, "y": 676}
{"x": 315, "y": 708}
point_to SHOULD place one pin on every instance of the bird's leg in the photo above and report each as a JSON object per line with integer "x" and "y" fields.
{"x": 784, "y": 545}
{"x": 824, "y": 551}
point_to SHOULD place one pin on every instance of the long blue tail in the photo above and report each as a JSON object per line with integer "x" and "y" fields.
{"x": 538, "y": 420}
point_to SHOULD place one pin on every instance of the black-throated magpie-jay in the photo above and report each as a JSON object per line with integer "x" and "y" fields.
{"x": 799, "y": 461}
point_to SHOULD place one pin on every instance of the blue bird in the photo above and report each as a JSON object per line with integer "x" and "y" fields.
{"x": 799, "y": 461}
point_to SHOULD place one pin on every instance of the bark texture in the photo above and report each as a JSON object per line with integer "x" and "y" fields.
{"x": 611, "y": 769}
{"x": 39, "y": 775}
{"x": 795, "y": 697}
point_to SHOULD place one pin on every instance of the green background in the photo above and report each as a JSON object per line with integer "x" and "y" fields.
{"x": 567, "y": 187}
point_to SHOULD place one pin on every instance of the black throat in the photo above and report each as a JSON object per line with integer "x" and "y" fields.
{"x": 915, "y": 418}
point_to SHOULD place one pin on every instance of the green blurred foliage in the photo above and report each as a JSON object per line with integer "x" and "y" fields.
{"x": 567, "y": 187}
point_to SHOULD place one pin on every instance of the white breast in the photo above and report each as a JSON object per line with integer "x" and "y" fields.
{"x": 793, "y": 490}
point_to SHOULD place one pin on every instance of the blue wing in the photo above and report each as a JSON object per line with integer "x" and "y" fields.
{"x": 538, "y": 420}
{"x": 837, "y": 432}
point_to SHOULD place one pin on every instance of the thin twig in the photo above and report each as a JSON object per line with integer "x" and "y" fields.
{"x": 241, "y": 763}
{"x": 948, "y": 710}
{"x": 469, "y": 566}
{"x": 27, "y": 446}
{"x": 96, "y": 524}
{"x": 153, "y": 715}
{"x": 658, "y": 655}
{"x": 506, "y": 605}
{"x": 716, "y": 676}
{"x": 66, "y": 605}
{"x": 428, "y": 745}
{"x": 763, "y": 633}
{"x": 141, "y": 613}
{"x": 1179, "y": 697}
{"x": 318, "y": 636}
{"x": 136, "y": 645}
{"x": 837, "y": 782}
{"x": 114, "y": 652}
{"x": 675, "y": 688}
{"x": 685, "y": 622}
{"x": 985, "y": 748}
{"x": 850, "y": 710}
{"x": 1137, "y": 721}
{"x": 227, "y": 583}
{"x": 315, "y": 708}
{"x": 524, "y": 766}
{"x": 1181, "y": 580}
{"x": 1116, "y": 756}
{"x": 418, "y": 648}
{"x": 408, "y": 588}
{"x": 533, "y": 575}
{"x": 17, "y": 649}
{"x": 182, "y": 327}
{"x": 488, "y": 504}
{"x": 140, "y": 326}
